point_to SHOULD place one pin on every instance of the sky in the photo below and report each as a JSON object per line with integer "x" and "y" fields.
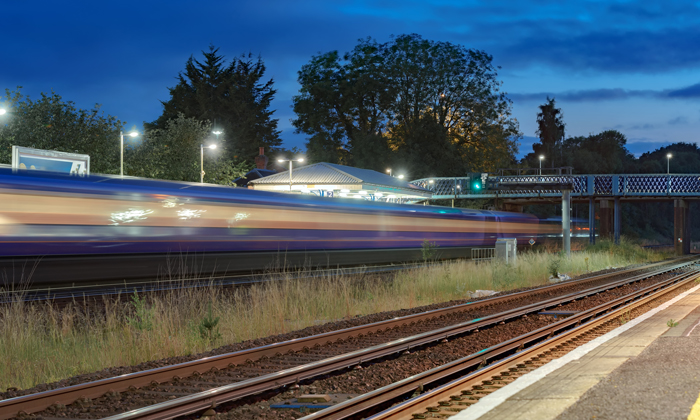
{"x": 632, "y": 66}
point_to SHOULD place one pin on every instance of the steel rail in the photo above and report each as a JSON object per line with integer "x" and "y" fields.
{"x": 44, "y": 293}
{"x": 542, "y": 339}
{"x": 39, "y": 401}
{"x": 207, "y": 399}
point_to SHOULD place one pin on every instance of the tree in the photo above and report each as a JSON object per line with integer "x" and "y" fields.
{"x": 174, "y": 152}
{"x": 433, "y": 106}
{"x": 550, "y": 130}
{"x": 603, "y": 153}
{"x": 50, "y": 123}
{"x": 233, "y": 97}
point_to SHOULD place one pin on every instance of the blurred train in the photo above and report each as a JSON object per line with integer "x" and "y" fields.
{"x": 60, "y": 229}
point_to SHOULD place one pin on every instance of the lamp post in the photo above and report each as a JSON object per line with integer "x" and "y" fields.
{"x": 389, "y": 171}
{"x": 121, "y": 149}
{"x": 541, "y": 159}
{"x": 290, "y": 168}
{"x": 201, "y": 160}
{"x": 668, "y": 163}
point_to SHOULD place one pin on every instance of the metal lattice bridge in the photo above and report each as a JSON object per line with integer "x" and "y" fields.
{"x": 529, "y": 187}
{"x": 526, "y": 186}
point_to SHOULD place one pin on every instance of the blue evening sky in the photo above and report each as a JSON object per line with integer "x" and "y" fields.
{"x": 625, "y": 65}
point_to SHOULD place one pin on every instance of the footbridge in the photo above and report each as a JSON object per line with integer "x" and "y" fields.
{"x": 514, "y": 188}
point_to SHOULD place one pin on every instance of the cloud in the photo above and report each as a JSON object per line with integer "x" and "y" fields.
{"x": 593, "y": 95}
{"x": 678, "y": 120}
{"x": 645, "y": 126}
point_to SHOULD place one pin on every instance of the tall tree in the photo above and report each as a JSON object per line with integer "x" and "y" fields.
{"x": 234, "y": 97}
{"x": 405, "y": 100}
{"x": 550, "y": 130}
{"x": 51, "y": 123}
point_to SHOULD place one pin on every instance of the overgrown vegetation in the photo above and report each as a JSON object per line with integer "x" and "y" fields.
{"x": 39, "y": 343}
{"x": 429, "y": 250}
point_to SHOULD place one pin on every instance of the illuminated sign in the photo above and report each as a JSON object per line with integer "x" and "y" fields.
{"x": 50, "y": 160}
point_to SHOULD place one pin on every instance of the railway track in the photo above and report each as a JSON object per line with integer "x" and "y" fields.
{"x": 168, "y": 391}
{"x": 68, "y": 293}
{"x": 480, "y": 374}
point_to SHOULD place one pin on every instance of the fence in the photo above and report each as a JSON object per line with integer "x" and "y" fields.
{"x": 483, "y": 254}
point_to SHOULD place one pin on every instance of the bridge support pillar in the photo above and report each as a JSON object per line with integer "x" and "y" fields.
{"x": 618, "y": 220}
{"x": 605, "y": 219}
{"x": 591, "y": 220}
{"x": 681, "y": 227}
{"x": 565, "y": 221}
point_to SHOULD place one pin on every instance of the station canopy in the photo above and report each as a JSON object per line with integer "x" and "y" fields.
{"x": 333, "y": 180}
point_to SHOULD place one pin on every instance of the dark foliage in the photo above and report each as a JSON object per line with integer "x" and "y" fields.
{"x": 233, "y": 97}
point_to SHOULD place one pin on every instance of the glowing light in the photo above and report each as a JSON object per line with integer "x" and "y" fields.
{"x": 133, "y": 134}
{"x": 400, "y": 176}
{"x": 186, "y": 214}
{"x": 237, "y": 218}
{"x": 2, "y": 111}
{"x": 169, "y": 203}
{"x": 129, "y": 216}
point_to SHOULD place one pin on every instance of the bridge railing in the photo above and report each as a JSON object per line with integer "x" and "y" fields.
{"x": 629, "y": 185}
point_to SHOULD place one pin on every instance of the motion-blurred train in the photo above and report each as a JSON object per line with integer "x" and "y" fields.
{"x": 58, "y": 229}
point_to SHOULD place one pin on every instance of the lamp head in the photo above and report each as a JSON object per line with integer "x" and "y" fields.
{"x": 300, "y": 160}
{"x": 213, "y": 146}
{"x": 281, "y": 160}
{"x": 217, "y": 132}
{"x": 400, "y": 176}
{"x": 541, "y": 157}
{"x": 669, "y": 156}
{"x": 3, "y": 111}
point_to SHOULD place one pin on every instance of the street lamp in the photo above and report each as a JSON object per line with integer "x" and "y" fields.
{"x": 400, "y": 177}
{"x": 290, "y": 168}
{"x": 201, "y": 160}
{"x": 389, "y": 171}
{"x": 133, "y": 133}
{"x": 541, "y": 159}
{"x": 217, "y": 132}
{"x": 668, "y": 163}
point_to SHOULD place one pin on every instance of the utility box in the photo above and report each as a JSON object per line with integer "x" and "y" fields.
{"x": 506, "y": 250}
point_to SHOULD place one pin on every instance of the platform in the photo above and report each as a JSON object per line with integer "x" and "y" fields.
{"x": 642, "y": 370}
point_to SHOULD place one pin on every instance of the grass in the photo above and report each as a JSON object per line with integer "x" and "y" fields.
{"x": 40, "y": 344}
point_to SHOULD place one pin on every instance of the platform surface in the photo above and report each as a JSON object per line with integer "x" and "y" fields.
{"x": 642, "y": 370}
